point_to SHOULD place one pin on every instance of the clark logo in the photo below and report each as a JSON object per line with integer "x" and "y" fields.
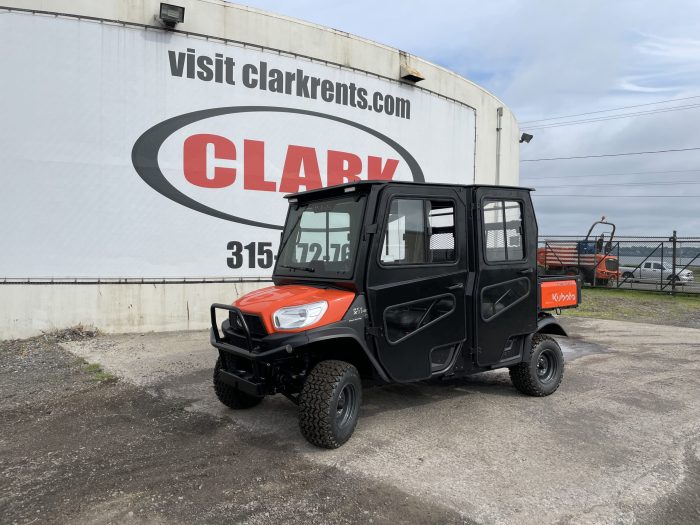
{"x": 232, "y": 163}
{"x": 301, "y": 169}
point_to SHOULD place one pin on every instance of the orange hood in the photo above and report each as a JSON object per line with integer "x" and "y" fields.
{"x": 267, "y": 301}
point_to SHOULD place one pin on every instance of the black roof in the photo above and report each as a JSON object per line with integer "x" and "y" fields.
{"x": 369, "y": 183}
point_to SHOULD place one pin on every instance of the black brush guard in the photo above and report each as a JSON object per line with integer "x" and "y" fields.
{"x": 250, "y": 383}
{"x": 250, "y": 352}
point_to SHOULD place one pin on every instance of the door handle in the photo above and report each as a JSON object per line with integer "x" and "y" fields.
{"x": 457, "y": 286}
{"x": 526, "y": 271}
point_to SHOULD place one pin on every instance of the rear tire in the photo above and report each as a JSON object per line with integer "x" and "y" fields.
{"x": 542, "y": 374}
{"x": 231, "y": 396}
{"x": 329, "y": 404}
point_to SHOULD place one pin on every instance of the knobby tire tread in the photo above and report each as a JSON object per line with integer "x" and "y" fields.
{"x": 521, "y": 374}
{"x": 315, "y": 415}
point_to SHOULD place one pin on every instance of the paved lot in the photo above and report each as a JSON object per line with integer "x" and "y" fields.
{"x": 618, "y": 443}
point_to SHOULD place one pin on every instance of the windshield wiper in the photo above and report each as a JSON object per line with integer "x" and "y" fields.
{"x": 303, "y": 268}
{"x": 291, "y": 231}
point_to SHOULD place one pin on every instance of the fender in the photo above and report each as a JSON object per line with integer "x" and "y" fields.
{"x": 546, "y": 324}
{"x": 339, "y": 331}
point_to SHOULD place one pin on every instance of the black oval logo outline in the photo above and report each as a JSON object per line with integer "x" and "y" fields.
{"x": 144, "y": 154}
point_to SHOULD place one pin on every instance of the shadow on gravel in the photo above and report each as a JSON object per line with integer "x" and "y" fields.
{"x": 79, "y": 451}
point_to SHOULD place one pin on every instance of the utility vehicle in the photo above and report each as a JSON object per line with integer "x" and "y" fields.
{"x": 391, "y": 282}
{"x": 590, "y": 258}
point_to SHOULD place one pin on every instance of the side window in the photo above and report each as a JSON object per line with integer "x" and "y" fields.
{"x": 503, "y": 230}
{"x": 404, "y": 237}
{"x": 419, "y": 232}
{"x": 441, "y": 224}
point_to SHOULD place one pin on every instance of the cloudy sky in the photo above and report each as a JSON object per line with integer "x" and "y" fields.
{"x": 548, "y": 58}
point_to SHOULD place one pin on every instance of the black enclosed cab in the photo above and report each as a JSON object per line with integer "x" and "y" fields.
{"x": 392, "y": 282}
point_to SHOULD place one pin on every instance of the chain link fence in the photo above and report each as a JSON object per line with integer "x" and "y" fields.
{"x": 663, "y": 264}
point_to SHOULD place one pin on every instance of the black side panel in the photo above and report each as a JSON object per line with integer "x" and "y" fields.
{"x": 417, "y": 301}
{"x": 506, "y": 291}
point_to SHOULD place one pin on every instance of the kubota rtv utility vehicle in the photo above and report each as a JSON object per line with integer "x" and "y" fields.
{"x": 384, "y": 282}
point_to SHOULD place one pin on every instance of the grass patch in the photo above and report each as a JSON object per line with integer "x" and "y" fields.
{"x": 97, "y": 373}
{"x": 638, "y": 306}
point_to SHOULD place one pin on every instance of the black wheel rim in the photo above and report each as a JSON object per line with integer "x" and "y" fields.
{"x": 345, "y": 408}
{"x": 547, "y": 366}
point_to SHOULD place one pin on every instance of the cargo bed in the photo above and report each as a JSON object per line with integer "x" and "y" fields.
{"x": 556, "y": 292}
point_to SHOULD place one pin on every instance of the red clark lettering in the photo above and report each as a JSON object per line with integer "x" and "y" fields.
{"x": 301, "y": 170}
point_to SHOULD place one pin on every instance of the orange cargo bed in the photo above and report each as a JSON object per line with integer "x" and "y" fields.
{"x": 558, "y": 292}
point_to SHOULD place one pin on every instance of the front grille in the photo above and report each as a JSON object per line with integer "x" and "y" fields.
{"x": 254, "y": 322}
{"x": 612, "y": 265}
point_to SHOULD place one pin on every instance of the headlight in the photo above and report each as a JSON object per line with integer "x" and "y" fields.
{"x": 299, "y": 316}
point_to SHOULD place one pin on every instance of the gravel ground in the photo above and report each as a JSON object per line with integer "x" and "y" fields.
{"x": 78, "y": 448}
{"x": 618, "y": 443}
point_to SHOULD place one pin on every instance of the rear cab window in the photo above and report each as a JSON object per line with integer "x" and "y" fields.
{"x": 503, "y": 230}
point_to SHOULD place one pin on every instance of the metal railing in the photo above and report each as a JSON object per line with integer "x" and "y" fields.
{"x": 663, "y": 264}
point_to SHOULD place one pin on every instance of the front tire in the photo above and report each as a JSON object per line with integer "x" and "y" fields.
{"x": 230, "y": 396}
{"x": 542, "y": 374}
{"x": 329, "y": 403}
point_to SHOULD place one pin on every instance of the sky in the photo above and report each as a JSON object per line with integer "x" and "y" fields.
{"x": 547, "y": 58}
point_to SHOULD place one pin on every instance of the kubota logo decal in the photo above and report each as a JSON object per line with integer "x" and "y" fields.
{"x": 251, "y": 160}
{"x": 563, "y": 297}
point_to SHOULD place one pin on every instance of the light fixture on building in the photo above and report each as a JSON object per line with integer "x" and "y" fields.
{"x": 171, "y": 14}
{"x": 526, "y": 138}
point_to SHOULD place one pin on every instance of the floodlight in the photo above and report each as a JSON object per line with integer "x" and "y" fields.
{"x": 171, "y": 14}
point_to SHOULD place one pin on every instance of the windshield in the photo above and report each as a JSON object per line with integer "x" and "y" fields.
{"x": 320, "y": 238}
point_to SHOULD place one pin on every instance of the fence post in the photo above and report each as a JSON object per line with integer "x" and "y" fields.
{"x": 673, "y": 240}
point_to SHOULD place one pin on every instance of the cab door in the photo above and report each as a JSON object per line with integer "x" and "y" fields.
{"x": 416, "y": 276}
{"x": 506, "y": 291}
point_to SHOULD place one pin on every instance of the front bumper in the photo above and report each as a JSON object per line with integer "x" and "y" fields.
{"x": 247, "y": 385}
{"x": 252, "y": 364}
